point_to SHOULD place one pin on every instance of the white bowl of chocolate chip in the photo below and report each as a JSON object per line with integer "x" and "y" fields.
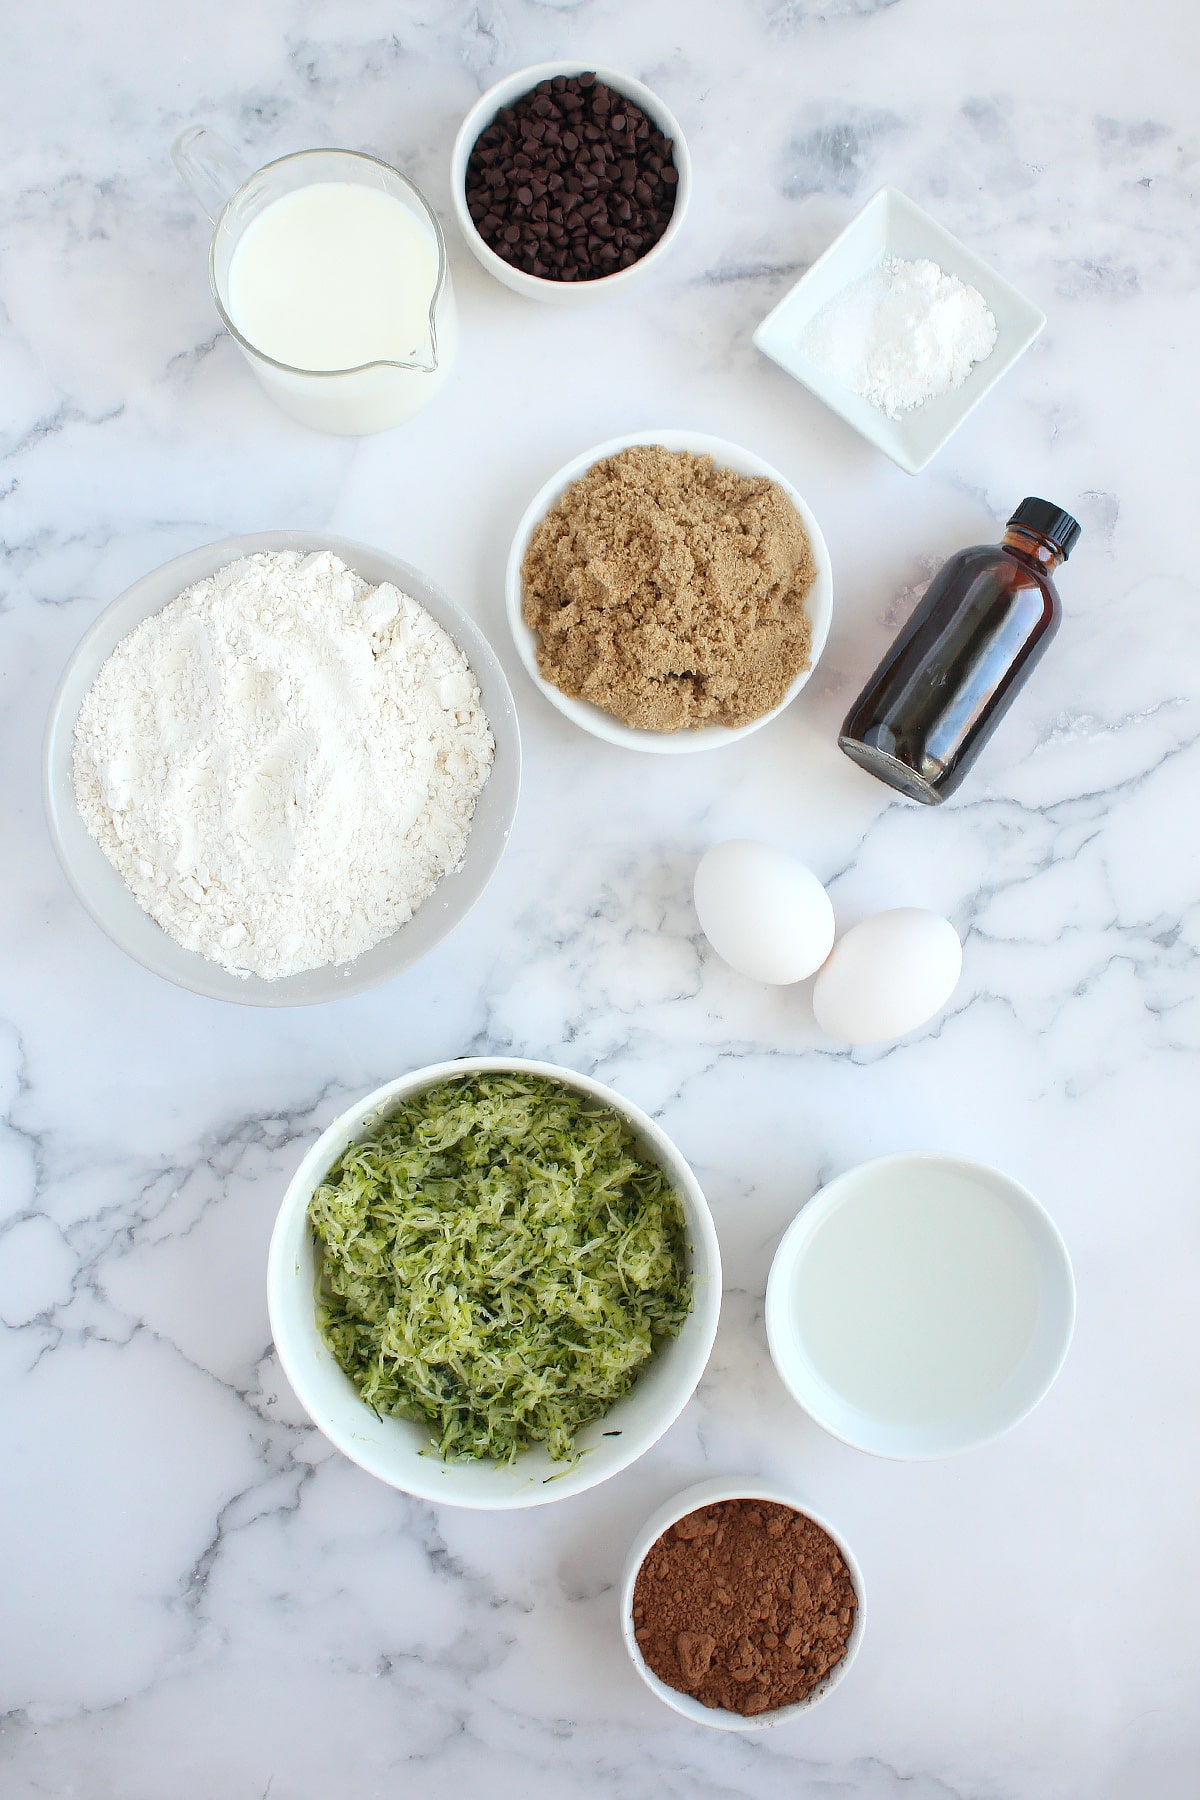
{"x": 574, "y": 197}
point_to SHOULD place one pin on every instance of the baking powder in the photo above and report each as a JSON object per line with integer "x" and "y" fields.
{"x": 902, "y": 334}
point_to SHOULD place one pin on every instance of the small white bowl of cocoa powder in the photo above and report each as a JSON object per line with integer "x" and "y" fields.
{"x": 741, "y": 1607}
{"x": 669, "y": 591}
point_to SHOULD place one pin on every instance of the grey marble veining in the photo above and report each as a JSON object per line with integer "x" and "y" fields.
{"x": 198, "y": 1597}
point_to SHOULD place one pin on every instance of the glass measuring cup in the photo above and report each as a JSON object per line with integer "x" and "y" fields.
{"x": 352, "y": 402}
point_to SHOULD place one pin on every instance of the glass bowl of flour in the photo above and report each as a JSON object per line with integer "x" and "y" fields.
{"x": 281, "y": 768}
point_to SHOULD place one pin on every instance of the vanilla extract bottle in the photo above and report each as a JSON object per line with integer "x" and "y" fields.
{"x": 975, "y": 637}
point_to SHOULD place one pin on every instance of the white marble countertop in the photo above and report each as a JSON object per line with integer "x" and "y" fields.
{"x": 198, "y": 1597}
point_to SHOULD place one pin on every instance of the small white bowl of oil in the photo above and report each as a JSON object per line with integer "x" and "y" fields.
{"x": 920, "y": 1305}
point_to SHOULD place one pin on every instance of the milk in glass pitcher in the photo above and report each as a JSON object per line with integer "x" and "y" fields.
{"x": 329, "y": 269}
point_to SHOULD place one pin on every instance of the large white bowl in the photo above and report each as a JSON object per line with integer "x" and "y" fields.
{"x": 711, "y": 1493}
{"x": 819, "y": 603}
{"x": 111, "y": 903}
{"x": 398, "y": 1451}
{"x": 998, "y": 1404}
{"x": 534, "y": 287}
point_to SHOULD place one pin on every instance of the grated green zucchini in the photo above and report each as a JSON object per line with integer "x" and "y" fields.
{"x": 498, "y": 1260}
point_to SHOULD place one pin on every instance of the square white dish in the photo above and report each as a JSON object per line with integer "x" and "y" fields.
{"x": 891, "y": 225}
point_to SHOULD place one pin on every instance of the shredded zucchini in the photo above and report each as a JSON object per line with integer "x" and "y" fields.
{"x": 498, "y": 1260}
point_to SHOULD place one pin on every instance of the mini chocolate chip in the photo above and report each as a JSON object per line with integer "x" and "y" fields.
{"x": 571, "y": 136}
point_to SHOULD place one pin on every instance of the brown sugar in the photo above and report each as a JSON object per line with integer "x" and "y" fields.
{"x": 670, "y": 592}
{"x": 744, "y": 1605}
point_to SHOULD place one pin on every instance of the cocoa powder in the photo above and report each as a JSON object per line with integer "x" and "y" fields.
{"x": 744, "y": 1605}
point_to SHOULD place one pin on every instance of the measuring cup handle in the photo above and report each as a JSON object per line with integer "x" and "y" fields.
{"x": 210, "y": 167}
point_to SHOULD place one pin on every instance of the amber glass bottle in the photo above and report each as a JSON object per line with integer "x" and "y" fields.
{"x": 951, "y": 675}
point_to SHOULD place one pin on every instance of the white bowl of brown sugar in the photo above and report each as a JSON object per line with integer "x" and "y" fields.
{"x": 741, "y": 1607}
{"x": 669, "y": 591}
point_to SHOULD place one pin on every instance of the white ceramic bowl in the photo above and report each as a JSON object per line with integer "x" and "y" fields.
{"x": 398, "y": 1451}
{"x": 710, "y": 1493}
{"x": 1041, "y": 1317}
{"x": 891, "y": 225}
{"x": 565, "y": 293}
{"x": 707, "y": 737}
{"x": 111, "y": 903}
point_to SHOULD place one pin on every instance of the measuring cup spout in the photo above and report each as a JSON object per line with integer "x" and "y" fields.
{"x": 211, "y": 168}
{"x": 425, "y": 357}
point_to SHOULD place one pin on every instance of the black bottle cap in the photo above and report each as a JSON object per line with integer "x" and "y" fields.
{"x": 1053, "y": 523}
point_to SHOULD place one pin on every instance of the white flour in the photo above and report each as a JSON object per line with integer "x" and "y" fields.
{"x": 283, "y": 762}
{"x": 902, "y": 334}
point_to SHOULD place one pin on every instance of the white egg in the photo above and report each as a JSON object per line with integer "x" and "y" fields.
{"x": 887, "y": 976}
{"x": 763, "y": 912}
